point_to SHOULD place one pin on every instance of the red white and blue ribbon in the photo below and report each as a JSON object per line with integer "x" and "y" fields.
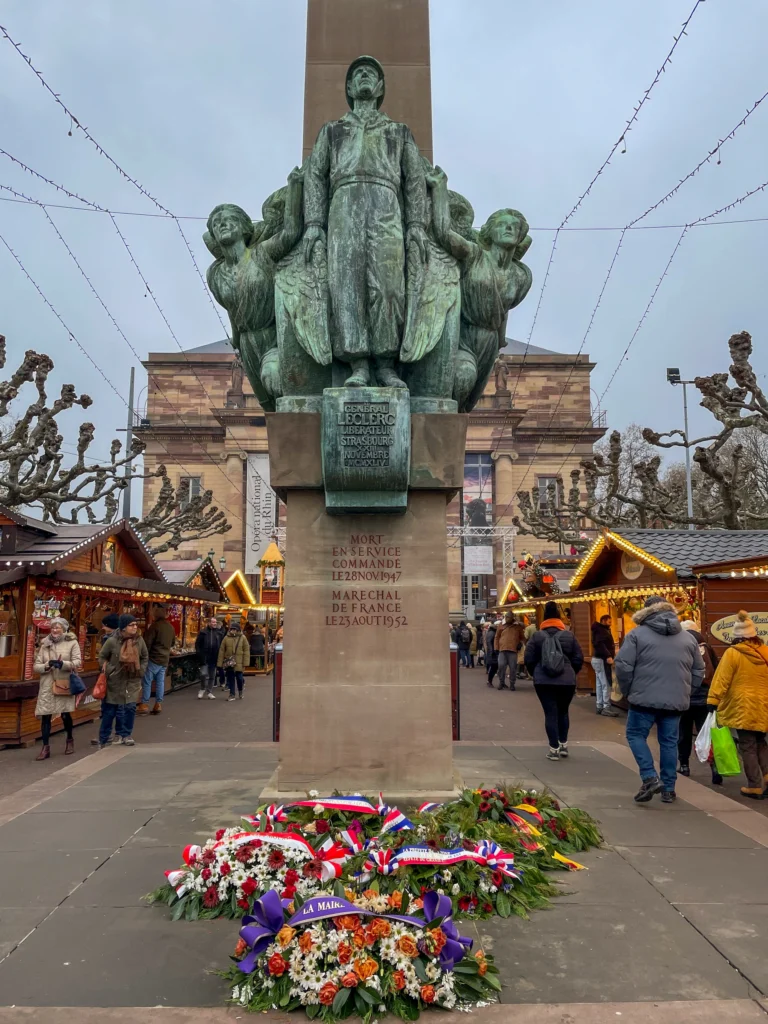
{"x": 274, "y": 814}
{"x": 355, "y": 840}
{"x": 394, "y": 820}
{"x": 429, "y": 808}
{"x": 350, "y": 804}
{"x": 383, "y": 861}
{"x": 495, "y": 858}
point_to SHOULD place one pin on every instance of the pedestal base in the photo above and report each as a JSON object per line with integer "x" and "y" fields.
{"x": 401, "y": 798}
{"x": 366, "y": 701}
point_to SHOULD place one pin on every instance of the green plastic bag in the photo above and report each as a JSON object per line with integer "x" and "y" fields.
{"x": 724, "y": 750}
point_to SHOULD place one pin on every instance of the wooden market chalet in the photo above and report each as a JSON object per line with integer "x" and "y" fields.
{"x": 707, "y": 575}
{"x": 83, "y": 572}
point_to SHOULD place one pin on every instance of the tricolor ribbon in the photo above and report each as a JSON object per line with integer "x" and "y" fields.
{"x": 394, "y": 820}
{"x": 177, "y": 880}
{"x": 495, "y": 858}
{"x": 354, "y": 840}
{"x": 190, "y": 854}
{"x": 383, "y": 861}
{"x": 350, "y": 804}
{"x": 429, "y": 808}
{"x": 273, "y": 814}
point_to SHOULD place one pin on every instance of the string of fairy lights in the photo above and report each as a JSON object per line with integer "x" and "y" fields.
{"x": 167, "y": 214}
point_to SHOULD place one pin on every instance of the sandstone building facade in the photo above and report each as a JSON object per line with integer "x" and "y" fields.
{"x": 203, "y": 421}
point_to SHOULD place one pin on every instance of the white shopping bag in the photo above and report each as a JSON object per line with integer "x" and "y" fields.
{"x": 704, "y": 739}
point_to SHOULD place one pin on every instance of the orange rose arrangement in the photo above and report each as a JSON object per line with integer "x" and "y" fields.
{"x": 276, "y": 965}
{"x": 349, "y": 980}
{"x": 365, "y": 969}
{"x": 327, "y": 993}
{"x": 407, "y": 945}
{"x": 428, "y": 993}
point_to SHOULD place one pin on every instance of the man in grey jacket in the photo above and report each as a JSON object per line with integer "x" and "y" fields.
{"x": 656, "y": 668}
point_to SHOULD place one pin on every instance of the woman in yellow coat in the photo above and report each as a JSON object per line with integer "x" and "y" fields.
{"x": 739, "y": 693}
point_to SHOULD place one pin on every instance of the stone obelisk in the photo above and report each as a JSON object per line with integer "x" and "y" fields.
{"x": 396, "y": 32}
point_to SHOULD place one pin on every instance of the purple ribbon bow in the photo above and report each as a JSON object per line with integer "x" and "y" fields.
{"x": 269, "y": 918}
{"x": 435, "y": 906}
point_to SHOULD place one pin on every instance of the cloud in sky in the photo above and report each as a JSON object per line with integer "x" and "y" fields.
{"x": 202, "y": 104}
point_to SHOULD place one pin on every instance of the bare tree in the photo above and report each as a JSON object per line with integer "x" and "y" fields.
{"x": 179, "y": 521}
{"x": 33, "y": 475}
{"x": 32, "y": 469}
{"x": 623, "y": 484}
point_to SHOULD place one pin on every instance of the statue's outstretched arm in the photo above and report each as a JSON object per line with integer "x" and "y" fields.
{"x": 454, "y": 243}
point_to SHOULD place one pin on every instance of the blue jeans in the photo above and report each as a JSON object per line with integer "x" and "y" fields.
{"x": 123, "y": 715}
{"x": 156, "y": 672}
{"x": 464, "y": 656}
{"x": 602, "y": 683}
{"x": 639, "y": 724}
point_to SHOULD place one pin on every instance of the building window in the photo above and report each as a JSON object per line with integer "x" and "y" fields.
{"x": 550, "y": 493}
{"x": 477, "y": 499}
{"x": 189, "y": 488}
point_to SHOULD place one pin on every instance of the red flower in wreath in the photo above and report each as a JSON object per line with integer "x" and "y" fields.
{"x": 205, "y": 874}
{"x": 249, "y": 887}
{"x": 465, "y": 903}
{"x": 291, "y": 876}
{"x": 220, "y": 833}
{"x": 321, "y": 826}
{"x": 208, "y": 857}
{"x": 244, "y": 853}
{"x": 276, "y": 965}
{"x": 487, "y": 908}
{"x": 484, "y": 806}
{"x": 244, "y": 904}
{"x": 276, "y": 859}
{"x": 288, "y": 892}
{"x": 225, "y": 868}
{"x": 211, "y": 897}
{"x": 313, "y": 868}
{"x": 497, "y": 878}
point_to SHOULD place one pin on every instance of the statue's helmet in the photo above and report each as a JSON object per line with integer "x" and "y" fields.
{"x": 356, "y": 64}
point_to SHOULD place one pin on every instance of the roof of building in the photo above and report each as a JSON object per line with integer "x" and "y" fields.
{"x": 683, "y": 549}
{"x": 184, "y": 570}
{"x": 511, "y": 347}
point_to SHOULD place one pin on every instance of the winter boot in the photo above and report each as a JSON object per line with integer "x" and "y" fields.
{"x": 70, "y": 747}
{"x": 45, "y": 752}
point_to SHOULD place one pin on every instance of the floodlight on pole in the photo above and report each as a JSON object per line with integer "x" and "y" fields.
{"x": 673, "y": 377}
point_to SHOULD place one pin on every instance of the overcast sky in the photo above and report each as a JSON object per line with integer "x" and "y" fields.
{"x": 202, "y": 103}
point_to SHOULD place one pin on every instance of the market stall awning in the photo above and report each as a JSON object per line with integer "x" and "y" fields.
{"x": 187, "y": 570}
{"x": 237, "y": 589}
{"x": 109, "y": 582}
{"x": 607, "y": 592}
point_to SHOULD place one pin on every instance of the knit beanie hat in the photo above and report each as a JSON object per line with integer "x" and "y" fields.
{"x": 743, "y": 627}
{"x": 551, "y": 611}
{"x": 654, "y": 599}
{"x": 126, "y": 620}
{"x": 111, "y": 621}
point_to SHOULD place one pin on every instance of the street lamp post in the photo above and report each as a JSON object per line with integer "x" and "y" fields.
{"x": 673, "y": 377}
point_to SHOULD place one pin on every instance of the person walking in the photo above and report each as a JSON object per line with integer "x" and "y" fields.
{"x": 697, "y": 711}
{"x": 57, "y": 656}
{"x": 258, "y": 648}
{"x": 159, "y": 638}
{"x": 657, "y": 668}
{"x": 739, "y": 695}
{"x": 491, "y": 654}
{"x": 464, "y": 641}
{"x": 207, "y": 647}
{"x": 508, "y": 639}
{"x": 554, "y": 658}
{"x": 124, "y": 658}
{"x": 108, "y": 626}
{"x": 472, "y": 644}
{"x": 234, "y": 655}
{"x": 603, "y": 654}
{"x": 528, "y": 632}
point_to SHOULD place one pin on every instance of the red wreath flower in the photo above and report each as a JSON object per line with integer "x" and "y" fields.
{"x": 211, "y": 897}
{"x": 244, "y": 853}
{"x": 465, "y": 903}
{"x": 220, "y": 833}
{"x": 208, "y": 857}
{"x": 225, "y": 868}
{"x": 497, "y": 878}
{"x": 288, "y": 892}
{"x": 249, "y": 887}
{"x": 276, "y": 859}
{"x": 484, "y": 806}
{"x": 321, "y": 826}
{"x": 327, "y": 993}
{"x": 276, "y": 965}
{"x": 205, "y": 874}
{"x": 291, "y": 876}
{"x": 244, "y": 904}
{"x": 313, "y": 868}
{"x": 487, "y": 908}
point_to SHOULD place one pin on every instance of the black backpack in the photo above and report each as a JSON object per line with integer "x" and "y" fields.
{"x": 466, "y": 635}
{"x": 552, "y": 657}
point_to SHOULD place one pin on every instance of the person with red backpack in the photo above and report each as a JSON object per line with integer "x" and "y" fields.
{"x": 554, "y": 658}
{"x": 697, "y": 712}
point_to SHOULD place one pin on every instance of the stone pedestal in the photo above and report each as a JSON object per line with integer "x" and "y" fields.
{"x": 366, "y": 702}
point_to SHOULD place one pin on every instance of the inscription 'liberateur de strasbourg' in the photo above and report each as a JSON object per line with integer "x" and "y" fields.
{"x": 366, "y": 434}
{"x": 366, "y": 558}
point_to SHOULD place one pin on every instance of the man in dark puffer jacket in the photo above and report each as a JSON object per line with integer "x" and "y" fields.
{"x": 656, "y": 668}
